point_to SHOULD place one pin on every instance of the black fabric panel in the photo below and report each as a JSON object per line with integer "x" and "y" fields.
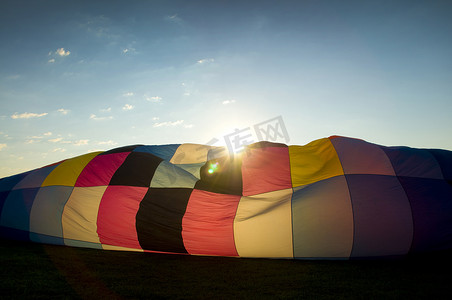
{"x": 431, "y": 205}
{"x": 266, "y": 144}
{"x": 3, "y": 196}
{"x": 226, "y": 178}
{"x": 121, "y": 149}
{"x": 444, "y": 158}
{"x": 136, "y": 170}
{"x": 159, "y": 219}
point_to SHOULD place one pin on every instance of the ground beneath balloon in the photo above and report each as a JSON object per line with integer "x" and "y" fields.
{"x": 43, "y": 271}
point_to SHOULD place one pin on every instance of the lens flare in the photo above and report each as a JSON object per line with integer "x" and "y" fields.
{"x": 213, "y": 168}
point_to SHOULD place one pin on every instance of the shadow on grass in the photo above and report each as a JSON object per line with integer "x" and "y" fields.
{"x": 46, "y": 271}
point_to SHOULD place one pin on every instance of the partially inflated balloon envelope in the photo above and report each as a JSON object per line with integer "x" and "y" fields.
{"x": 334, "y": 198}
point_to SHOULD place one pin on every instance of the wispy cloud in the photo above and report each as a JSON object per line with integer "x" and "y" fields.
{"x": 47, "y": 133}
{"x": 205, "y": 61}
{"x": 128, "y": 94}
{"x": 13, "y": 77}
{"x": 27, "y": 115}
{"x": 59, "y": 150}
{"x": 153, "y": 98}
{"x": 96, "y": 118}
{"x": 174, "y": 19}
{"x": 3, "y": 146}
{"x": 56, "y": 140}
{"x": 129, "y": 50}
{"x": 81, "y": 142}
{"x": 104, "y": 110}
{"x": 63, "y": 111}
{"x": 127, "y": 107}
{"x": 51, "y": 61}
{"x": 107, "y": 143}
{"x": 168, "y": 123}
{"x": 226, "y": 102}
{"x": 62, "y": 52}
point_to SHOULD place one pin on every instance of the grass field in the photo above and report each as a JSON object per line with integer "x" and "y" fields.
{"x": 33, "y": 271}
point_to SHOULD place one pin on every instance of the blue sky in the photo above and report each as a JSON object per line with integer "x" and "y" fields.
{"x": 79, "y": 76}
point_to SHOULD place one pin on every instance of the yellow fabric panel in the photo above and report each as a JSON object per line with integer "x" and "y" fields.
{"x": 313, "y": 162}
{"x": 68, "y": 171}
{"x": 195, "y": 153}
{"x": 263, "y": 225}
{"x": 80, "y": 214}
{"x": 118, "y": 248}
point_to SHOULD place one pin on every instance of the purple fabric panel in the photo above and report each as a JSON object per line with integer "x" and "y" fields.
{"x": 413, "y": 162}
{"x": 431, "y": 203}
{"x": 8, "y": 183}
{"x": 361, "y": 157}
{"x": 35, "y": 178}
{"x": 382, "y": 216}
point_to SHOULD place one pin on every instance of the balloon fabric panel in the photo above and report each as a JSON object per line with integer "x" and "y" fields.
{"x": 263, "y": 225}
{"x": 315, "y": 161}
{"x": 116, "y": 217}
{"x": 79, "y": 219}
{"x": 68, "y": 171}
{"x": 322, "y": 219}
{"x": 265, "y": 169}
{"x": 221, "y": 175}
{"x": 207, "y": 225}
{"x": 383, "y": 223}
{"x": 444, "y": 159}
{"x": 35, "y": 178}
{"x": 17, "y": 207}
{"x": 360, "y": 157}
{"x": 165, "y": 152}
{"x": 431, "y": 205}
{"x": 159, "y": 219}
{"x": 413, "y": 162}
{"x": 47, "y": 210}
{"x": 100, "y": 169}
{"x": 137, "y": 170}
{"x": 168, "y": 175}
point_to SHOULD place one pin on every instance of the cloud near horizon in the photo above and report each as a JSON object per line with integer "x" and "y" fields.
{"x": 153, "y": 98}
{"x": 128, "y": 107}
{"x": 168, "y": 123}
{"x": 96, "y": 118}
{"x": 27, "y": 115}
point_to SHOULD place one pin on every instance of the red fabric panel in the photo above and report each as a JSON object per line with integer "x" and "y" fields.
{"x": 100, "y": 169}
{"x": 116, "y": 217}
{"x": 208, "y": 223}
{"x": 265, "y": 170}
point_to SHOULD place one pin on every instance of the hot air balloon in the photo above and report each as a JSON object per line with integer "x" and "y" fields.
{"x": 334, "y": 198}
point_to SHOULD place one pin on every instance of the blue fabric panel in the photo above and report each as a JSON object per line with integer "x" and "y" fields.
{"x": 46, "y": 239}
{"x": 35, "y": 178}
{"x": 413, "y": 162}
{"x": 382, "y": 216}
{"x": 165, "y": 152}
{"x": 444, "y": 159}
{"x": 3, "y": 196}
{"x": 431, "y": 203}
{"x": 47, "y": 210}
{"x": 8, "y": 183}
{"x": 14, "y": 234}
{"x": 17, "y": 207}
